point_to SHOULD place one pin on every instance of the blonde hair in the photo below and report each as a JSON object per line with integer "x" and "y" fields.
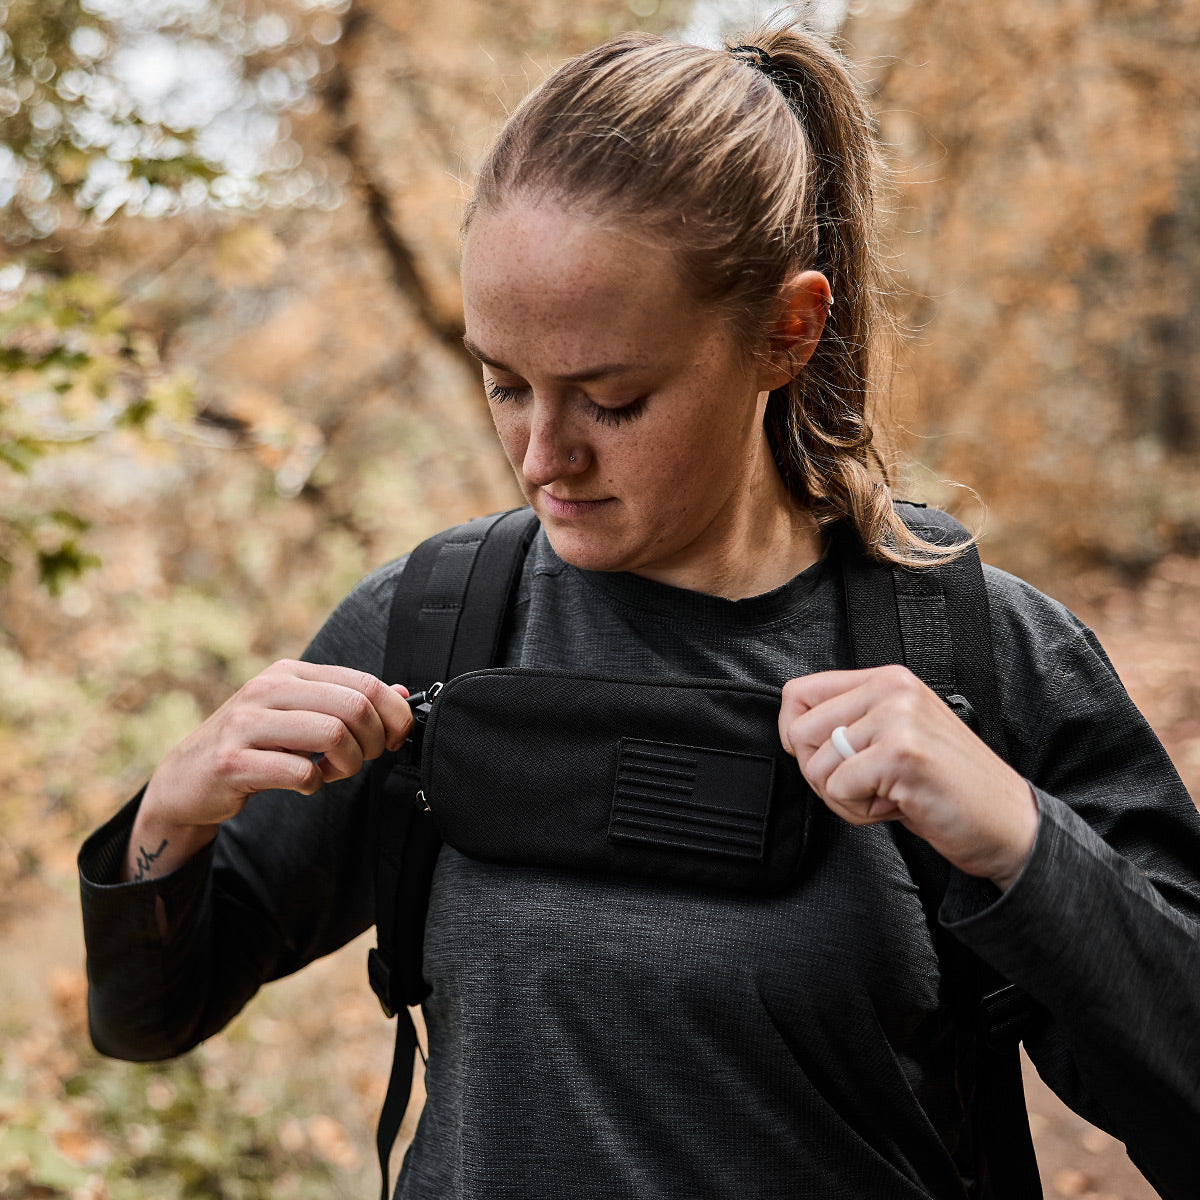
{"x": 753, "y": 163}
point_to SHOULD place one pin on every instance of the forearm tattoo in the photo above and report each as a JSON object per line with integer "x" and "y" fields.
{"x": 146, "y": 859}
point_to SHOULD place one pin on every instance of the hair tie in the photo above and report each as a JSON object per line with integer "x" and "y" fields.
{"x": 754, "y": 56}
{"x": 776, "y": 72}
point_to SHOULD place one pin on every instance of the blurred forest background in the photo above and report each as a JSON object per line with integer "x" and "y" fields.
{"x": 231, "y": 382}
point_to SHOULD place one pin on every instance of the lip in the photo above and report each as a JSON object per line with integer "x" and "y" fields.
{"x": 571, "y": 510}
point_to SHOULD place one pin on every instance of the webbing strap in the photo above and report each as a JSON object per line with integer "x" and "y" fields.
{"x": 935, "y": 620}
{"x": 428, "y": 603}
{"x": 491, "y": 591}
{"x": 925, "y": 631}
{"x": 395, "y": 1102}
{"x": 447, "y": 617}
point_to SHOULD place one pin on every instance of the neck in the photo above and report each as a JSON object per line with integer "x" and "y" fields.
{"x": 753, "y": 547}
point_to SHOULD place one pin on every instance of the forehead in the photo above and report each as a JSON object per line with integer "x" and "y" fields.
{"x": 540, "y": 280}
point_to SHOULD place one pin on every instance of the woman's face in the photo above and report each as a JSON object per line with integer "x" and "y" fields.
{"x": 631, "y": 419}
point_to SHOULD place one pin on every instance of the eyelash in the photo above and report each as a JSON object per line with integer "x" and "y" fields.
{"x": 500, "y": 394}
{"x": 598, "y": 413}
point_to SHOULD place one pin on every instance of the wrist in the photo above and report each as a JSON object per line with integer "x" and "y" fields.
{"x": 159, "y": 844}
{"x": 1023, "y": 825}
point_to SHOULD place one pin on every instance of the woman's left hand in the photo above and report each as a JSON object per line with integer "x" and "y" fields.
{"x": 915, "y": 762}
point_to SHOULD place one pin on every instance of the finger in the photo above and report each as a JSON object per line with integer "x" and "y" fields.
{"x": 388, "y": 702}
{"x": 892, "y": 689}
{"x": 801, "y": 695}
{"x": 808, "y": 691}
{"x": 853, "y": 788}
{"x": 302, "y": 733}
{"x": 353, "y": 729}
{"x": 377, "y": 717}
{"x": 873, "y": 812}
{"x": 250, "y": 770}
{"x": 819, "y": 763}
{"x": 810, "y": 731}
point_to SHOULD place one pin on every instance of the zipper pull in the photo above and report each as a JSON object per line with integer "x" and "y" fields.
{"x": 422, "y": 702}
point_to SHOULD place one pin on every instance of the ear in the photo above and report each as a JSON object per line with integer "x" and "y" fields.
{"x": 805, "y": 300}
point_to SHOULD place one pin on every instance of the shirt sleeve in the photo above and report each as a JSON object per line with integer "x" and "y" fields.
{"x": 1102, "y": 927}
{"x": 287, "y": 880}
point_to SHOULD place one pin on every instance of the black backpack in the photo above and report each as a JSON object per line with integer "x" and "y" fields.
{"x": 448, "y": 616}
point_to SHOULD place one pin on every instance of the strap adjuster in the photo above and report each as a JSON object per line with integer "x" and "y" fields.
{"x": 962, "y": 708}
{"x": 1007, "y": 1014}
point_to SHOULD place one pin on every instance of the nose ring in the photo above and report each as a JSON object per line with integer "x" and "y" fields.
{"x": 570, "y": 458}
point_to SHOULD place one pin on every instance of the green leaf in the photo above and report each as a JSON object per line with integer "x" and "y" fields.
{"x": 69, "y": 520}
{"x": 57, "y": 567}
{"x": 172, "y": 172}
{"x": 69, "y": 360}
{"x": 136, "y": 414}
{"x": 20, "y": 453}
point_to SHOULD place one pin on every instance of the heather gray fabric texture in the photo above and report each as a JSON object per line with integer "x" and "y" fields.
{"x": 599, "y": 1037}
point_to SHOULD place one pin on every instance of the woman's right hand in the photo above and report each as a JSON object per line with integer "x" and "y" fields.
{"x": 295, "y": 726}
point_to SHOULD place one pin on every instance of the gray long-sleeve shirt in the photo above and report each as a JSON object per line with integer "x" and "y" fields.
{"x": 629, "y": 1038}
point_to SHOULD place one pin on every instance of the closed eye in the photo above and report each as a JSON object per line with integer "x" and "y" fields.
{"x": 617, "y": 416}
{"x": 501, "y": 394}
{"x": 598, "y": 412}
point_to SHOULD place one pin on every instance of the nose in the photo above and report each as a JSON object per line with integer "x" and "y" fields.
{"x": 550, "y": 450}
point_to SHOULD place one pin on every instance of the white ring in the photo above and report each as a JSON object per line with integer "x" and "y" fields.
{"x": 841, "y": 743}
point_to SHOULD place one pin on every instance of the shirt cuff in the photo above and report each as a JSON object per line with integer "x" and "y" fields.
{"x": 1048, "y": 905}
{"x": 106, "y": 898}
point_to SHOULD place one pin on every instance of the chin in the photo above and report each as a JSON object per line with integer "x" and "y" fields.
{"x": 588, "y": 552}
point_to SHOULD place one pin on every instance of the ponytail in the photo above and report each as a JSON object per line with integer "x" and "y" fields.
{"x": 754, "y": 164}
{"x": 819, "y": 424}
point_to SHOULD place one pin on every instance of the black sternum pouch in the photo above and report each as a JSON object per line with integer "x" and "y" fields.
{"x": 682, "y": 781}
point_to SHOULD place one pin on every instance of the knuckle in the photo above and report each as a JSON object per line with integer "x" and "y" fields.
{"x": 240, "y": 725}
{"x": 847, "y": 812}
{"x": 333, "y": 733}
{"x": 899, "y": 678}
{"x": 258, "y": 687}
{"x": 229, "y": 762}
{"x": 366, "y": 686}
{"x": 305, "y": 777}
{"x": 358, "y": 708}
{"x": 838, "y": 791}
{"x": 904, "y": 708}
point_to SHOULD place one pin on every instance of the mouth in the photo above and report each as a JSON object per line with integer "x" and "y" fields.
{"x": 567, "y": 510}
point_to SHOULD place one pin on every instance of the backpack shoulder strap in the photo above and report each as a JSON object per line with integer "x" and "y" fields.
{"x": 447, "y": 617}
{"x": 452, "y": 598}
{"x": 935, "y": 620}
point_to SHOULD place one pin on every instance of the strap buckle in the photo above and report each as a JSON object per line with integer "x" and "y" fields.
{"x": 380, "y": 976}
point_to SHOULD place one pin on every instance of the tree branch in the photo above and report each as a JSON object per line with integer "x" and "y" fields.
{"x": 402, "y": 261}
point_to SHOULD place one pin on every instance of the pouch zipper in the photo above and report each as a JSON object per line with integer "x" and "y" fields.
{"x": 421, "y": 704}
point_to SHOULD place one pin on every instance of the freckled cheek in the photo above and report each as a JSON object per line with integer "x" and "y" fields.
{"x": 513, "y": 435}
{"x": 663, "y": 481}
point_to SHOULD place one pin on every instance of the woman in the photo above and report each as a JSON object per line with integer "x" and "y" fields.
{"x": 670, "y": 278}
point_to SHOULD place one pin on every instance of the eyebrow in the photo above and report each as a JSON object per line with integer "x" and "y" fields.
{"x": 574, "y": 377}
